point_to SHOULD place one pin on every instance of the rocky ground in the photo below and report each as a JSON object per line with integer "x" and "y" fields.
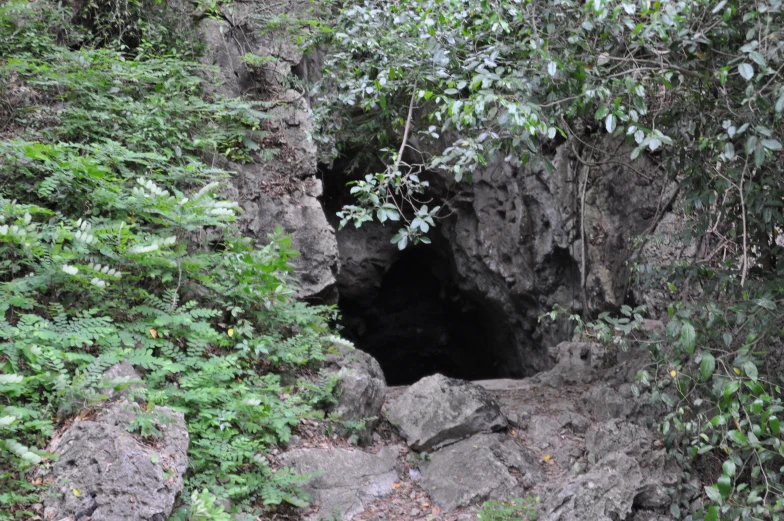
{"x": 574, "y": 436}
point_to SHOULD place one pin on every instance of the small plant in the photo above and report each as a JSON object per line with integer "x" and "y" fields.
{"x": 148, "y": 424}
{"x": 204, "y": 508}
{"x": 334, "y": 516}
{"x": 517, "y": 509}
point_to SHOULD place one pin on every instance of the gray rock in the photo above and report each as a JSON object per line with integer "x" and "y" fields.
{"x": 606, "y": 493}
{"x": 606, "y": 403}
{"x": 512, "y": 242}
{"x": 120, "y": 380}
{"x": 344, "y": 478}
{"x": 545, "y": 432}
{"x": 438, "y": 410}
{"x": 627, "y": 455}
{"x": 574, "y": 363}
{"x": 478, "y": 469}
{"x": 104, "y": 471}
{"x": 361, "y": 387}
{"x": 279, "y": 191}
{"x": 614, "y": 435}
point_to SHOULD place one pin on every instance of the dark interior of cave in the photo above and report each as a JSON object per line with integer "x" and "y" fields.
{"x": 419, "y": 323}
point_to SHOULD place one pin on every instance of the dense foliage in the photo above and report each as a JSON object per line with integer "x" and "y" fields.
{"x": 115, "y": 245}
{"x": 697, "y": 86}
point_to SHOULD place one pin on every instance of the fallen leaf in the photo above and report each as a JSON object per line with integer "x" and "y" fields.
{"x": 737, "y": 371}
{"x": 131, "y": 499}
{"x": 396, "y": 486}
{"x": 546, "y": 458}
{"x": 154, "y": 333}
{"x": 77, "y": 492}
{"x": 673, "y": 373}
{"x": 230, "y": 332}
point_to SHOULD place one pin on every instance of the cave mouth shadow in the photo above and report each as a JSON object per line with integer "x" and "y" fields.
{"x": 419, "y": 322}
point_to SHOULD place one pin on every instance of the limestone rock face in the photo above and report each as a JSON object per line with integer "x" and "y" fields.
{"x": 103, "y": 471}
{"x": 438, "y": 410}
{"x": 606, "y": 493}
{"x": 478, "y": 469}
{"x": 361, "y": 387}
{"x": 347, "y": 479}
{"x": 512, "y": 242}
{"x": 281, "y": 190}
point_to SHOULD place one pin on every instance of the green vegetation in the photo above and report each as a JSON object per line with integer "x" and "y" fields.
{"x": 517, "y": 509}
{"x": 696, "y": 86}
{"x": 114, "y": 245}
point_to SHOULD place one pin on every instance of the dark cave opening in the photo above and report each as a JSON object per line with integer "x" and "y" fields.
{"x": 418, "y": 323}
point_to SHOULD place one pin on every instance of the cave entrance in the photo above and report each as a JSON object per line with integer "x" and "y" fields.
{"x": 418, "y": 323}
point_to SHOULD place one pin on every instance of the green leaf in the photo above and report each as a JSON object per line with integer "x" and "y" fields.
{"x": 771, "y": 144}
{"x": 609, "y": 123}
{"x": 751, "y": 370}
{"x": 780, "y": 103}
{"x": 728, "y": 467}
{"x": 707, "y": 366}
{"x": 712, "y": 514}
{"x": 746, "y": 71}
{"x": 775, "y": 426}
{"x": 737, "y": 436}
{"x": 688, "y": 337}
{"x": 10, "y": 378}
{"x": 601, "y": 112}
{"x": 714, "y": 495}
{"x": 297, "y": 502}
{"x": 766, "y": 303}
{"x": 724, "y": 485}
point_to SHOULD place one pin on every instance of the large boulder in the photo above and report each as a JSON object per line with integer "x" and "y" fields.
{"x": 361, "y": 386}
{"x": 606, "y": 493}
{"x": 106, "y": 472}
{"x": 344, "y": 479}
{"x": 437, "y": 411}
{"x": 485, "y": 466}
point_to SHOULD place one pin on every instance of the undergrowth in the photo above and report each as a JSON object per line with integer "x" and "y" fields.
{"x": 115, "y": 245}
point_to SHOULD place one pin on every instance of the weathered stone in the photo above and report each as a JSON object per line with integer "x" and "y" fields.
{"x": 613, "y": 435}
{"x": 282, "y": 190}
{"x": 574, "y": 363}
{"x": 638, "y": 442}
{"x": 346, "y": 479}
{"x": 106, "y": 472}
{"x": 361, "y": 387}
{"x": 512, "y": 242}
{"x": 120, "y": 380}
{"x": 438, "y": 410}
{"x": 545, "y": 432}
{"x": 606, "y": 493}
{"x": 478, "y": 469}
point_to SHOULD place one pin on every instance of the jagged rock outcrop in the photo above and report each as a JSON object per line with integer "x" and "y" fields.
{"x": 513, "y": 243}
{"x": 281, "y": 190}
{"x": 606, "y": 493}
{"x": 343, "y": 478}
{"x": 105, "y": 472}
{"x": 437, "y": 411}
